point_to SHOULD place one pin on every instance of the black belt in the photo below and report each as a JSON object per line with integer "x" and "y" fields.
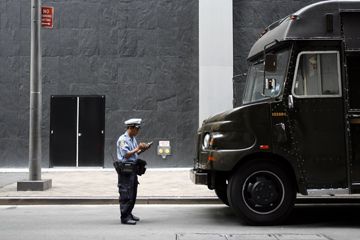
{"x": 125, "y": 167}
{"x": 138, "y": 167}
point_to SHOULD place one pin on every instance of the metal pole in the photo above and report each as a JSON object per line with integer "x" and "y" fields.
{"x": 35, "y": 94}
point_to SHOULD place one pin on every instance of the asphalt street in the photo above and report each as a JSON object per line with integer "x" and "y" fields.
{"x": 173, "y": 222}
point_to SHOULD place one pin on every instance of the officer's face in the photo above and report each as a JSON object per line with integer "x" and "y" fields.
{"x": 133, "y": 131}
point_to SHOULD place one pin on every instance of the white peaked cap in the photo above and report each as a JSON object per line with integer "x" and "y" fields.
{"x": 133, "y": 122}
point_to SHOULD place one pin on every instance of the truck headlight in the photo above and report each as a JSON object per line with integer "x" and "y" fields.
{"x": 210, "y": 139}
{"x": 206, "y": 141}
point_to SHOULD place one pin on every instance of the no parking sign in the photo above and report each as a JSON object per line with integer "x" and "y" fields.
{"x": 47, "y": 16}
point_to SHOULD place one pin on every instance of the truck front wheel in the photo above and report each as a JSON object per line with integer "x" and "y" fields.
{"x": 261, "y": 193}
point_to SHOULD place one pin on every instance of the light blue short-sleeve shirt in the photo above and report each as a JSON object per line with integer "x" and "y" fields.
{"x": 124, "y": 145}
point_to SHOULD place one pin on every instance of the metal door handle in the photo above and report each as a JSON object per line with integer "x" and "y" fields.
{"x": 52, "y": 132}
{"x": 281, "y": 126}
{"x": 290, "y": 102}
{"x": 79, "y": 134}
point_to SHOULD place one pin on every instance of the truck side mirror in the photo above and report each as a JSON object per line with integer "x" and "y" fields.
{"x": 270, "y": 62}
{"x": 240, "y": 78}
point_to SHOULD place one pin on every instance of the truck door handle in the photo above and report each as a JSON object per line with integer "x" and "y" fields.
{"x": 290, "y": 102}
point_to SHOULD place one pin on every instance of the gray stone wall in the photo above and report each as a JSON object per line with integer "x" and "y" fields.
{"x": 141, "y": 54}
{"x": 249, "y": 20}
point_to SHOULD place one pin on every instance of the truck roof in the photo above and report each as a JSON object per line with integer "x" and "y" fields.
{"x": 309, "y": 23}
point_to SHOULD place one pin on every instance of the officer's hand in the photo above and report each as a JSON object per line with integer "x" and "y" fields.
{"x": 143, "y": 146}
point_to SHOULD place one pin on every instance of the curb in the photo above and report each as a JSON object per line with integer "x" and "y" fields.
{"x": 159, "y": 200}
{"x": 103, "y": 200}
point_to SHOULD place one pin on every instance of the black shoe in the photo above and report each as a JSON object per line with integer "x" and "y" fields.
{"x": 129, "y": 222}
{"x": 135, "y": 218}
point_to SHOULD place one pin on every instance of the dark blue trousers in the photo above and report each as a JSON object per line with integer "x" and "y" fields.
{"x": 127, "y": 184}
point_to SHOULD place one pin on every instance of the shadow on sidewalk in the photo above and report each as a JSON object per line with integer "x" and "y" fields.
{"x": 10, "y": 178}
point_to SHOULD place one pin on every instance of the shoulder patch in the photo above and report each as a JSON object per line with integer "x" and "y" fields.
{"x": 122, "y": 143}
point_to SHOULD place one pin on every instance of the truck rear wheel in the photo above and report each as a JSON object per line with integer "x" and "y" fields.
{"x": 261, "y": 193}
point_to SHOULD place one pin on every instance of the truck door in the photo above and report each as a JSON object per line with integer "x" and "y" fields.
{"x": 353, "y": 74}
{"x": 316, "y": 115}
{"x": 351, "y": 35}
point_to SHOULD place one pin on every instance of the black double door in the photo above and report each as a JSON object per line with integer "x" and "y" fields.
{"x": 77, "y": 126}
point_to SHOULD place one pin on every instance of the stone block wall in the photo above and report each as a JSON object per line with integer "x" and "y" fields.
{"x": 141, "y": 54}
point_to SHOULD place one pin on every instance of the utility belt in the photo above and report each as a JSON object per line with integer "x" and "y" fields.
{"x": 124, "y": 167}
{"x": 137, "y": 167}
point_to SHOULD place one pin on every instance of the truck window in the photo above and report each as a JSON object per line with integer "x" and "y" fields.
{"x": 279, "y": 75}
{"x": 254, "y": 88}
{"x": 317, "y": 75}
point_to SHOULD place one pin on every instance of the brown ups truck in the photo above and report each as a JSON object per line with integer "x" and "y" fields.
{"x": 298, "y": 128}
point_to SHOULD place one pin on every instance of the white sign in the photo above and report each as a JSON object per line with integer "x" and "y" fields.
{"x": 164, "y": 143}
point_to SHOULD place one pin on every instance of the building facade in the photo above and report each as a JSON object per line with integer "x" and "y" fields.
{"x": 141, "y": 56}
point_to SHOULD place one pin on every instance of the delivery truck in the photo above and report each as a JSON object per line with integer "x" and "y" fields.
{"x": 297, "y": 130}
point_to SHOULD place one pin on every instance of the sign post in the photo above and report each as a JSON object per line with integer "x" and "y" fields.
{"x": 35, "y": 183}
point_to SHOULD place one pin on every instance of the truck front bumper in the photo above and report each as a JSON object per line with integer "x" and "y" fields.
{"x": 198, "y": 177}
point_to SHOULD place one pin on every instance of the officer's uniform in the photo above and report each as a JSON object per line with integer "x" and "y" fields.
{"x": 127, "y": 182}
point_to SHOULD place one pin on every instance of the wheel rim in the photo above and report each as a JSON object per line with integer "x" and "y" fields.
{"x": 263, "y": 192}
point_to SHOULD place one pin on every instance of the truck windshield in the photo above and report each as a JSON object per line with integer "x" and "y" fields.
{"x": 255, "y": 82}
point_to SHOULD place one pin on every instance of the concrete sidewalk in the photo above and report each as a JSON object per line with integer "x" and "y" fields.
{"x": 100, "y": 186}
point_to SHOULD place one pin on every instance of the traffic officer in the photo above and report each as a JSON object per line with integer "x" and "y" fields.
{"x": 127, "y": 153}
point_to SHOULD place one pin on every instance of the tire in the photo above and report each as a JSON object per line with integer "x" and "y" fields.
{"x": 261, "y": 193}
{"x": 221, "y": 191}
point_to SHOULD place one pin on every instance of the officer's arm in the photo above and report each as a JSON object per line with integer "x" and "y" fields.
{"x": 130, "y": 153}
{"x": 125, "y": 149}
{"x": 127, "y": 153}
